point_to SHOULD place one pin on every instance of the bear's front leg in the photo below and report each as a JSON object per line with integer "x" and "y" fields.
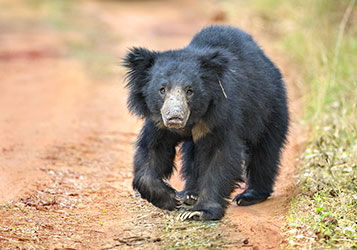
{"x": 219, "y": 161}
{"x": 154, "y": 163}
{"x": 190, "y": 173}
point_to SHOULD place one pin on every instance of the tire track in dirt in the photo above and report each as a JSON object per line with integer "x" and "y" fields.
{"x": 76, "y": 138}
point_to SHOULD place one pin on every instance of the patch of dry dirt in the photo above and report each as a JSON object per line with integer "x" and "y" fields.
{"x": 67, "y": 139}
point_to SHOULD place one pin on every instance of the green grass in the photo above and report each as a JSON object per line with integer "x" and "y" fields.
{"x": 321, "y": 37}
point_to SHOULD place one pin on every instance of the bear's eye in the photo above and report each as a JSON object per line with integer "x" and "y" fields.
{"x": 162, "y": 91}
{"x": 189, "y": 92}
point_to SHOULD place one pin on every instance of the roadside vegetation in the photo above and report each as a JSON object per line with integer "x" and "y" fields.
{"x": 321, "y": 37}
{"x": 79, "y": 31}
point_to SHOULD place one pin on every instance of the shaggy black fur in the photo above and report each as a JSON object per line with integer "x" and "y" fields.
{"x": 248, "y": 125}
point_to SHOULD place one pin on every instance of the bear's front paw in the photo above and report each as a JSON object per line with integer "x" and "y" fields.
{"x": 159, "y": 193}
{"x": 187, "y": 197}
{"x": 165, "y": 199}
{"x": 205, "y": 211}
{"x": 250, "y": 197}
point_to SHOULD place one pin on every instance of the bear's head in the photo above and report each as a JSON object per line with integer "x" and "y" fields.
{"x": 174, "y": 88}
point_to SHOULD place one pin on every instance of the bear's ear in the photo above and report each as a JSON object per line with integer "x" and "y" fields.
{"x": 138, "y": 61}
{"x": 214, "y": 62}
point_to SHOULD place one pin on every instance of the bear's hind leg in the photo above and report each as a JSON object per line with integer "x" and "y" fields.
{"x": 262, "y": 169}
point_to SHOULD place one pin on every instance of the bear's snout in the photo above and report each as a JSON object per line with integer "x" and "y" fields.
{"x": 175, "y": 111}
{"x": 175, "y": 118}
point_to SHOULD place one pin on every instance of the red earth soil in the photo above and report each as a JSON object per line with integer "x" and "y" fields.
{"x": 56, "y": 120}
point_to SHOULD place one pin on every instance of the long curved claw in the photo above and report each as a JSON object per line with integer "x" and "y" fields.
{"x": 179, "y": 217}
{"x": 195, "y": 213}
{"x": 180, "y": 206}
{"x": 238, "y": 201}
{"x": 179, "y": 203}
{"x": 189, "y": 215}
{"x": 192, "y": 197}
{"x": 185, "y": 215}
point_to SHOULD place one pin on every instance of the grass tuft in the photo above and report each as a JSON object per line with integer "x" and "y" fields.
{"x": 321, "y": 37}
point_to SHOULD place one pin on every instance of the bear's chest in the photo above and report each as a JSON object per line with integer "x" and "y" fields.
{"x": 199, "y": 131}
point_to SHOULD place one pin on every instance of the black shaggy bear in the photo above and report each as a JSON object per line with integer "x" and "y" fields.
{"x": 226, "y": 101}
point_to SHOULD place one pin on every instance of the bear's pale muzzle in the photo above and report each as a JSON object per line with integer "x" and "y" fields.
{"x": 175, "y": 111}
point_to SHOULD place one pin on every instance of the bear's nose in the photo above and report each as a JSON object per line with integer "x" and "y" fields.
{"x": 174, "y": 115}
{"x": 175, "y": 121}
{"x": 175, "y": 118}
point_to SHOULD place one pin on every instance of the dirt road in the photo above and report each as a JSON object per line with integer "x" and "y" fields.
{"x": 67, "y": 138}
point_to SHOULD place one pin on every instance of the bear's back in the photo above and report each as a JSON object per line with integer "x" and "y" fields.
{"x": 223, "y": 37}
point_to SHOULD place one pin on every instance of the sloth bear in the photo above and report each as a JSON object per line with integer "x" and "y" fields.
{"x": 226, "y": 102}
